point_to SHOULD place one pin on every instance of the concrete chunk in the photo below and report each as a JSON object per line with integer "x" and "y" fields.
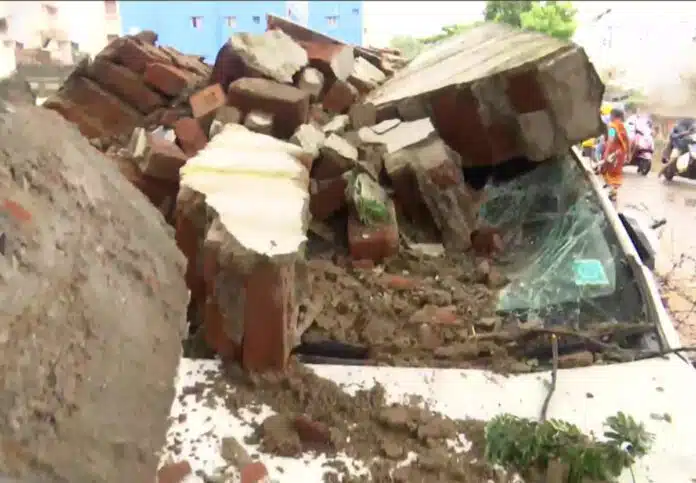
{"x": 309, "y": 138}
{"x": 256, "y": 188}
{"x": 534, "y": 102}
{"x": 362, "y": 115}
{"x": 273, "y": 54}
{"x": 336, "y": 61}
{"x": 365, "y": 76}
{"x": 311, "y": 81}
{"x": 260, "y": 122}
{"x": 429, "y": 187}
{"x": 402, "y": 135}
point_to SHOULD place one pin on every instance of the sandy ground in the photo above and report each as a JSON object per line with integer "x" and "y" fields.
{"x": 675, "y": 201}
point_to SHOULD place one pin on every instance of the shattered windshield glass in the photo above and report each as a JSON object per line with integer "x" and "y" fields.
{"x": 563, "y": 259}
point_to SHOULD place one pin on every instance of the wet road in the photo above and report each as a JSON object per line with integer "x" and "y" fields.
{"x": 676, "y": 202}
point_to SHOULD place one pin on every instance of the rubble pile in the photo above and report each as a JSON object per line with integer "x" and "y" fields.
{"x": 294, "y": 136}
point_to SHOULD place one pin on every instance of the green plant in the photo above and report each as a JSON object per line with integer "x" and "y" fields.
{"x": 522, "y": 445}
{"x": 370, "y": 211}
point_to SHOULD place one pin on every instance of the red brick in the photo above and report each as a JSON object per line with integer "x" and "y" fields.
{"x": 125, "y": 84}
{"x": 170, "y": 116}
{"x": 254, "y": 472}
{"x": 116, "y": 116}
{"x": 167, "y": 79}
{"x": 215, "y": 336}
{"x": 207, "y": 101}
{"x": 268, "y": 316}
{"x": 327, "y": 197}
{"x": 446, "y": 174}
{"x": 163, "y": 159}
{"x": 314, "y": 435}
{"x": 525, "y": 93}
{"x": 340, "y": 96}
{"x": 174, "y": 472}
{"x": 228, "y": 67}
{"x": 88, "y": 126}
{"x": 17, "y": 211}
{"x": 372, "y": 242}
{"x": 187, "y": 239}
{"x": 190, "y": 135}
{"x": 289, "y": 105}
{"x": 137, "y": 55}
{"x": 398, "y": 282}
{"x": 187, "y": 62}
{"x": 436, "y": 315}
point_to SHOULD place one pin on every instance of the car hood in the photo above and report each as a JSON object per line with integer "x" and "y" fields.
{"x": 647, "y": 390}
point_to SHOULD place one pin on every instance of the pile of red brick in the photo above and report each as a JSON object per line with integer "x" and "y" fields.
{"x": 152, "y": 109}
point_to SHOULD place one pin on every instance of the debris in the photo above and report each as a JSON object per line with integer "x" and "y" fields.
{"x": 312, "y": 82}
{"x": 272, "y": 54}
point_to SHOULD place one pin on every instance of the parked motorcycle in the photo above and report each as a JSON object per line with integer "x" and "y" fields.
{"x": 643, "y": 150}
{"x": 681, "y": 160}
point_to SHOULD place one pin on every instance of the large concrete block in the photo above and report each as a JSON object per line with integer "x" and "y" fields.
{"x": 495, "y": 92}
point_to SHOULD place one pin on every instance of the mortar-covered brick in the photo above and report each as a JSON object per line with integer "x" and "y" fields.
{"x": 525, "y": 93}
{"x": 214, "y": 333}
{"x": 136, "y": 55}
{"x": 162, "y": 159}
{"x": 88, "y": 126}
{"x": 190, "y": 135}
{"x": 167, "y": 79}
{"x": 126, "y": 84}
{"x": 289, "y": 105}
{"x": 115, "y": 115}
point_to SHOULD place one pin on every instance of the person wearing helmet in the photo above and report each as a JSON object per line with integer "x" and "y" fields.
{"x": 615, "y": 153}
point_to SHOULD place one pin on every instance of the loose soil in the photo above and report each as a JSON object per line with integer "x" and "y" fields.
{"x": 315, "y": 414}
{"x": 94, "y": 307}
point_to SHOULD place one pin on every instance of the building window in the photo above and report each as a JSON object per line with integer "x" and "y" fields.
{"x": 256, "y": 19}
{"x": 356, "y": 11}
{"x": 332, "y": 20}
{"x": 231, "y": 21}
{"x": 197, "y": 22}
{"x": 110, "y": 7}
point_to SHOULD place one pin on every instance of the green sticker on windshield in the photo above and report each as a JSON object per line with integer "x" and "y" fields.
{"x": 589, "y": 272}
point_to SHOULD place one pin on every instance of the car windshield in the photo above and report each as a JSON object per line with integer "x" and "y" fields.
{"x": 563, "y": 258}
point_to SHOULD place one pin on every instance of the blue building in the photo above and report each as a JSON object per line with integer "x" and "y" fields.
{"x": 202, "y": 27}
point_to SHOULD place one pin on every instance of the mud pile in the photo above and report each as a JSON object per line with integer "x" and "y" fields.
{"x": 94, "y": 308}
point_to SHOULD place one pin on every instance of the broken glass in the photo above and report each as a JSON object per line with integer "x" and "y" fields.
{"x": 562, "y": 256}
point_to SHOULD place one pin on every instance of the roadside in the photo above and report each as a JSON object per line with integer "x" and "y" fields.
{"x": 676, "y": 263}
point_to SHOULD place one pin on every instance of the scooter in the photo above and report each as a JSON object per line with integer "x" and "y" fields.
{"x": 681, "y": 160}
{"x": 643, "y": 150}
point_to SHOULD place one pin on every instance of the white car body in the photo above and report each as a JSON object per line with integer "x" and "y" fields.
{"x": 646, "y": 390}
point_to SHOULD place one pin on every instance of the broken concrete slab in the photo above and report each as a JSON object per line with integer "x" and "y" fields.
{"x": 257, "y": 189}
{"x": 94, "y": 310}
{"x": 273, "y": 54}
{"x": 289, "y": 105}
{"x": 534, "y": 102}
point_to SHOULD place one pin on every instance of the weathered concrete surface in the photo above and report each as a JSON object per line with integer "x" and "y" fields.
{"x": 273, "y": 54}
{"x": 496, "y": 92}
{"x": 94, "y": 311}
{"x": 252, "y": 250}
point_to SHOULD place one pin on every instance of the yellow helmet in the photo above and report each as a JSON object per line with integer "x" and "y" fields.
{"x": 605, "y": 110}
